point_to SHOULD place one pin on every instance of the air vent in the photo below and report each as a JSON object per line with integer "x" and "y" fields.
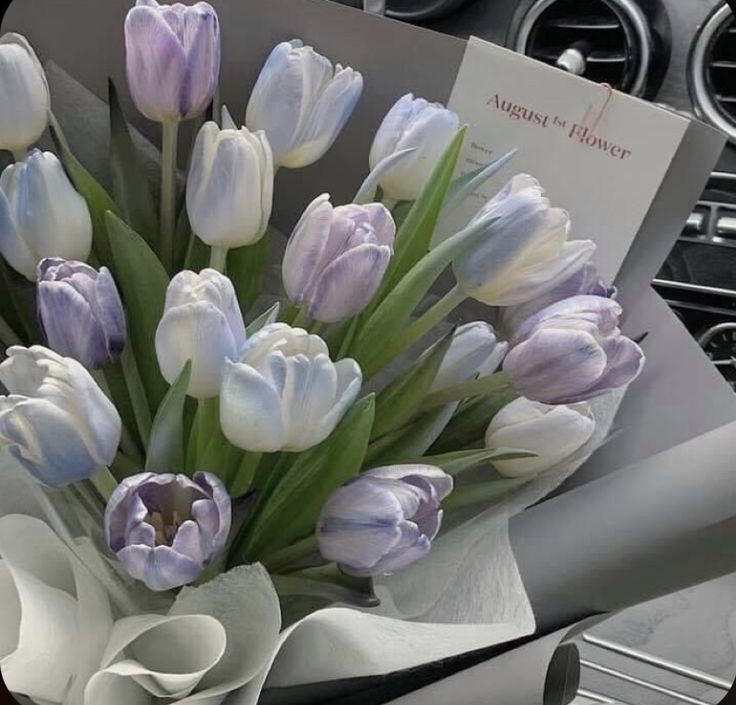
{"x": 607, "y": 41}
{"x": 713, "y": 71}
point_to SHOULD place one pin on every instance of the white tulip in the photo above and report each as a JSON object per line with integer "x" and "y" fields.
{"x": 285, "y": 393}
{"x": 24, "y": 108}
{"x": 202, "y": 322}
{"x": 302, "y": 103}
{"x": 230, "y": 186}
{"x": 412, "y": 123}
{"x": 554, "y": 433}
{"x": 525, "y": 251}
{"x": 473, "y": 352}
{"x": 41, "y": 215}
{"x": 56, "y": 422}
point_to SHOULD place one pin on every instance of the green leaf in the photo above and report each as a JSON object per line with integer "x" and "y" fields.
{"x": 414, "y": 238}
{"x": 130, "y": 183}
{"x": 395, "y": 310}
{"x": 482, "y": 387}
{"x": 246, "y": 267}
{"x": 291, "y": 511}
{"x": 98, "y": 200}
{"x": 488, "y": 493}
{"x": 411, "y": 440}
{"x": 166, "y": 445}
{"x": 401, "y": 400}
{"x": 270, "y": 315}
{"x": 142, "y": 281}
{"x": 455, "y": 463}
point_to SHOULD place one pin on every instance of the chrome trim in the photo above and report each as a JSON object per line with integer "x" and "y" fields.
{"x": 726, "y": 225}
{"x": 711, "y": 333}
{"x": 663, "y": 664}
{"x": 704, "y": 102}
{"x": 696, "y": 288}
{"x": 377, "y": 7}
{"x": 695, "y": 221}
{"x": 598, "y": 698}
{"x": 641, "y": 683}
{"x": 635, "y": 16}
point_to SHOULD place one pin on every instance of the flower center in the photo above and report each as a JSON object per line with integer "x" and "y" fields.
{"x": 165, "y": 527}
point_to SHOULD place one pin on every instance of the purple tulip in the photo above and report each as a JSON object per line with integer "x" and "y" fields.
{"x": 165, "y": 529}
{"x": 173, "y": 58}
{"x": 571, "y": 351}
{"x": 384, "y": 520}
{"x": 336, "y": 258}
{"x": 585, "y": 281}
{"x": 81, "y": 311}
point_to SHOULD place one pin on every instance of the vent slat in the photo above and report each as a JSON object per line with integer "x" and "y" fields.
{"x": 584, "y": 25}
{"x": 721, "y": 66}
{"x": 594, "y": 58}
{"x": 726, "y": 98}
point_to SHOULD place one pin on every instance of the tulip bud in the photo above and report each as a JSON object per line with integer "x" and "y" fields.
{"x": 384, "y": 520}
{"x": 165, "y": 529}
{"x": 172, "y": 58}
{"x": 585, "y": 281}
{"x": 301, "y": 103}
{"x": 24, "y": 109}
{"x": 202, "y": 322}
{"x": 554, "y": 433}
{"x": 56, "y": 422}
{"x": 473, "y": 352}
{"x": 572, "y": 351}
{"x": 285, "y": 393}
{"x": 81, "y": 312}
{"x": 336, "y": 258}
{"x": 412, "y": 123}
{"x": 525, "y": 251}
{"x": 41, "y": 215}
{"x": 230, "y": 186}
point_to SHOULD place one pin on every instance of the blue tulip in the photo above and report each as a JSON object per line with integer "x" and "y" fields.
{"x": 81, "y": 312}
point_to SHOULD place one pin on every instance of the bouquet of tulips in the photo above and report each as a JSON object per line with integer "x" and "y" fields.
{"x": 210, "y": 431}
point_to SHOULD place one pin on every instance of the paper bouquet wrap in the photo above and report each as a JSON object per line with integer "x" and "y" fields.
{"x": 318, "y": 390}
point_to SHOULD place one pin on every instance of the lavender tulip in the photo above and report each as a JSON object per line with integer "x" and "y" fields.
{"x": 585, "y": 281}
{"x": 202, "y": 322}
{"x": 571, "y": 351}
{"x": 301, "y": 103}
{"x": 81, "y": 311}
{"x": 474, "y": 352}
{"x": 41, "y": 215}
{"x": 24, "y": 109}
{"x": 554, "y": 433}
{"x": 165, "y": 529}
{"x": 336, "y": 258}
{"x": 384, "y": 520}
{"x": 56, "y": 422}
{"x": 172, "y": 58}
{"x": 412, "y": 123}
{"x": 525, "y": 252}
{"x": 285, "y": 393}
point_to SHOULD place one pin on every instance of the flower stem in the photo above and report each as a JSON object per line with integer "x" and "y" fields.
{"x": 301, "y": 320}
{"x": 218, "y": 259}
{"x": 291, "y": 556}
{"x": 137, "y": 394}
{"x": 245, "y": 474}
{"x": 104, "y": 483}
{"x": 416, "y": 331}
{"x": 318, "y": 327}
{"x": 7, "y": 335}
{"x": 168, "y": 193}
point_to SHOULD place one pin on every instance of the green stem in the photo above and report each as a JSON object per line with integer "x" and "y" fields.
{"x": 245, "y": 474}
{"x": 204, "y": 421}
{"x": 349, "y": 338}
{"x": 168, "y": 193}
{"x": 218, "y": 259}
{"x": 19, "y": 154}
{"x": 104, "y": 483}
{"x": 390, "y": 203}
{"x": 318, "y": 327}
{"x": 7, "y": 335}
{"x": 137, "y": 394}
{"x": 292, "y": 556}
{"x": 416, "y": 331}
{"x": 301, "y": 320}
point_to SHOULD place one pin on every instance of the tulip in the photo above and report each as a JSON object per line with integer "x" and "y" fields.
{"x": 572, "y": 351}
{"x": 41, "y": 215}
{"x": 285, "y": 393}
{"x": 384, "y": 520}
{"x": 412, "y": 123}
{"x": 56, "y": 422}
{"x": 585, "y": 281}
{"x": 172, "y": 59}
{"x": 302, "y": 103}
{"x": 24, "y": 109}
{"x": 202, "y": 323}
{"x": 336, "y": 258}
{"x": 165, "y": 529}
{"x": 525, "y": 251}
{"x": 474, "y": 352}
{"x": 554, "y": 433}
{"x": 230, "y": 186}
{"x": 81, "y": 312}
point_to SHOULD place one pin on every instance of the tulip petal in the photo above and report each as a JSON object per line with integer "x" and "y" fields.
{"x": 160, "y": 568}
{"x": 202, "y": 69}
{"x": 12, "y": 246}
{"x": 390, "y": 131}
{"x": 625, "y": 362}
{"x": 440, "y": 480}
{"x": 401, "y": 559}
